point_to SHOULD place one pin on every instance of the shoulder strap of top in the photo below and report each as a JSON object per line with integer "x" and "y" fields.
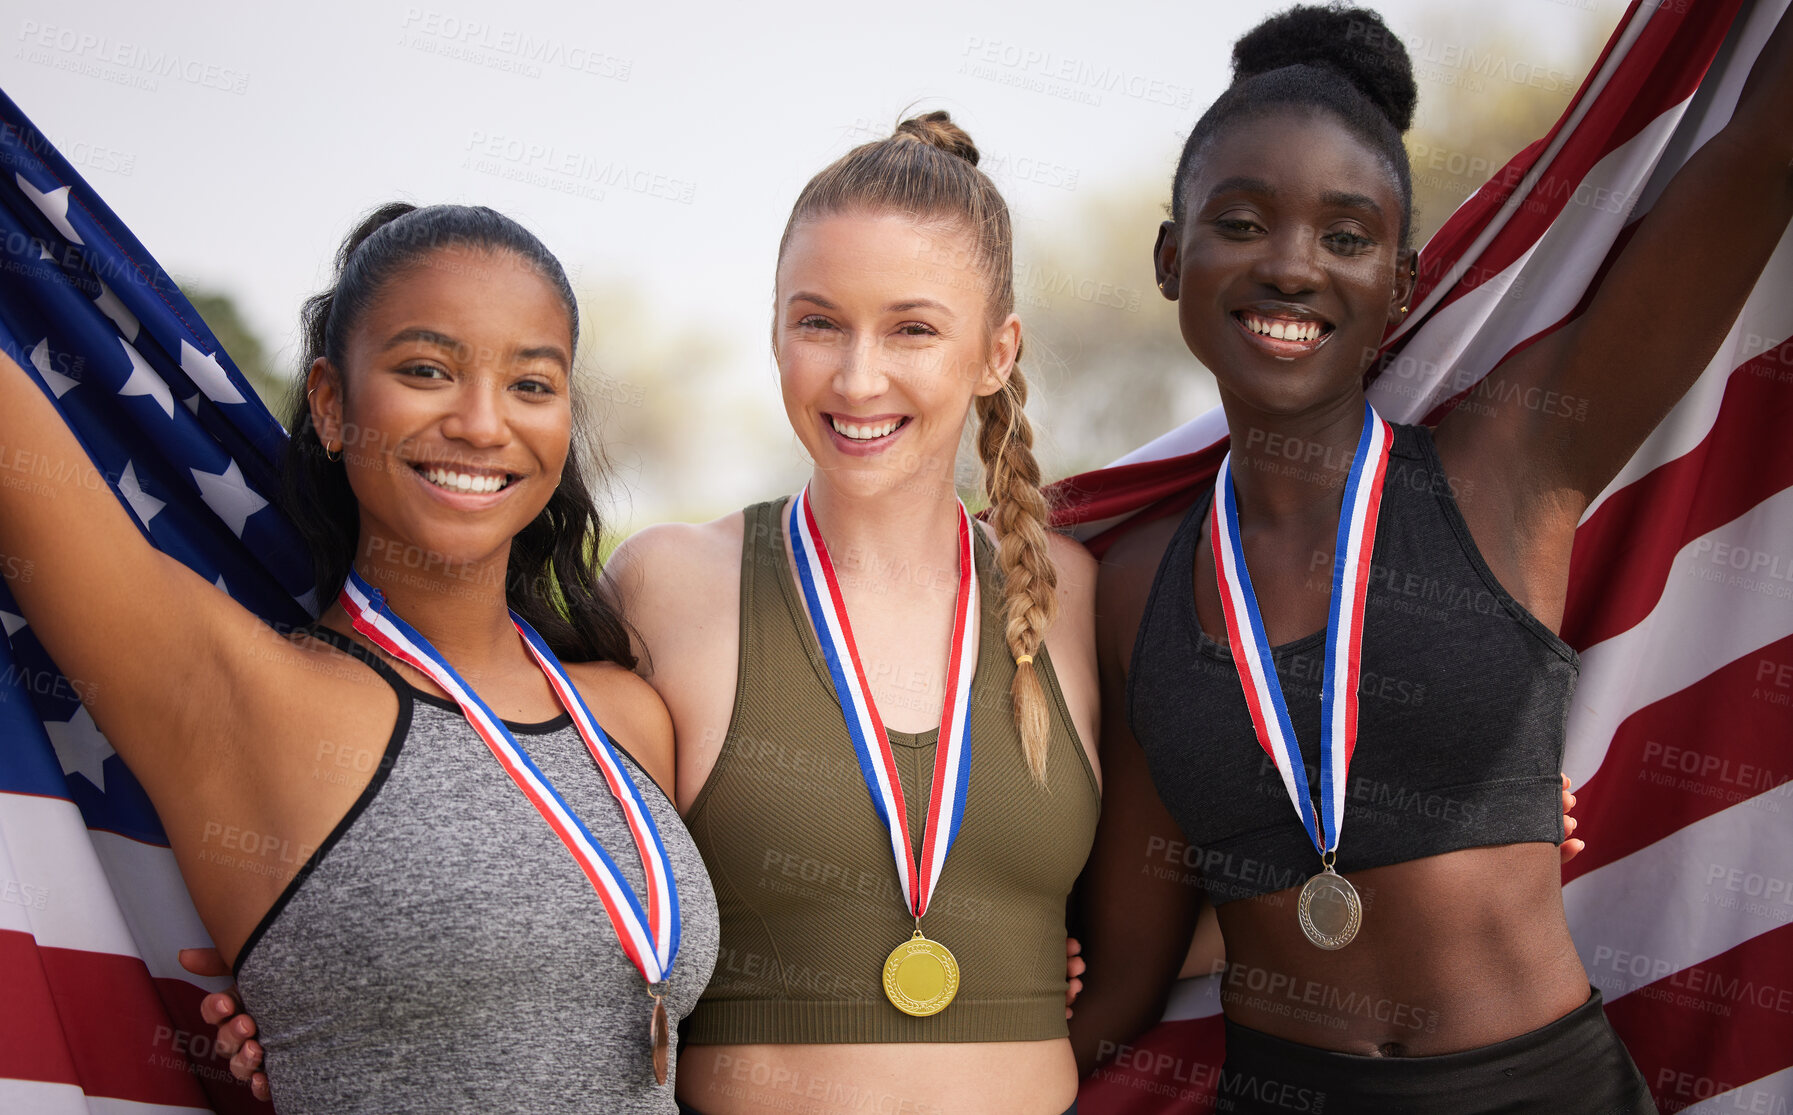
{"x": 762, "y": 564}
{"x": 1443, "y": 487}
{"x": 1171, "y": 584}
{"x": 395, "y": 742}
{"x": 355, "y": 650}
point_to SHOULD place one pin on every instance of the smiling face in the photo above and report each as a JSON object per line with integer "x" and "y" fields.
{"x": 883, "y": 338}
{"x": 453, "y": 408}
{"x": 1287, "y": 267}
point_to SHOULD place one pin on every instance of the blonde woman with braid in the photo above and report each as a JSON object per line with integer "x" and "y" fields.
{"x": 812, "y": 672}
{"x": 893, "y": 323}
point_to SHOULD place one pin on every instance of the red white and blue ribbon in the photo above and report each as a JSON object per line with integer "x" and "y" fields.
{"x": 952, "y": 754}
{"x": 649, "y": 937}
{"x": 1344, "y": 633}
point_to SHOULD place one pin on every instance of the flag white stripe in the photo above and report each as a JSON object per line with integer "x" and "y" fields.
{"x": 1712, "y": 104}
{"x": 41, "y": 1097}
{"x": 1205, "y": 429}
{"x": 1195, "y": 997}
{"x": 1700, "y": 891}
{"x": 1476, "y": 332}
{"x": 147, "y": 884}
{"x": 1765, "y": 322}
{"x": 1698, "y": 626}
{"x": 1767, "y": 1096}
{"x": 1614, "y": 59}
{"x": 45, "y": 851}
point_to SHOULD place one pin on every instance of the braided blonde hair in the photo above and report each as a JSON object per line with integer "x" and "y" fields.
{"x": 928, "y": 169}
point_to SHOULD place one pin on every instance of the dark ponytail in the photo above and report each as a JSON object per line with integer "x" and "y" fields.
{"x": 552, "y": 577}
{"x": 1343, "y": 60}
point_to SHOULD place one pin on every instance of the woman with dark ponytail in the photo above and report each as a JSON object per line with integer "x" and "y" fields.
{"x": 846, "y": 978}
{"x": 870, "y": 618}
{"x": 388, "y": 895}
{"x": 1383, "y": 867}
{"x": 550, "y": 580}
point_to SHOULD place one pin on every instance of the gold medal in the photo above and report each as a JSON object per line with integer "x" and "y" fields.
{"x": 921, "y": 976}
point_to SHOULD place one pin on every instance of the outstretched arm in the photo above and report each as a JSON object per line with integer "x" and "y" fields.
{"x": 1656, "y": 321}
{"x": 108, "y": 607}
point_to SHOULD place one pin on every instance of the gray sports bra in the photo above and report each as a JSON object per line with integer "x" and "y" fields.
{"x": 442, "y": 952}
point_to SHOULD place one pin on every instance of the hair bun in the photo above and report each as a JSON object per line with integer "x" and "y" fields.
{"x": 1353, "y": 42}
{"x": 369, "y": 225}
{"x": 936, "y": 129}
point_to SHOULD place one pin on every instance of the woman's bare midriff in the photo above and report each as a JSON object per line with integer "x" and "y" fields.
{"x": 1456, "y": 951}
{"x": 961, "y": 1078}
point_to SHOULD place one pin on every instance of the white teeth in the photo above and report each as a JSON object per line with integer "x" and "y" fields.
{"x": 864, "y": 433}
{"x": 1283, "y": 330}
{"x": 462, "y": 482}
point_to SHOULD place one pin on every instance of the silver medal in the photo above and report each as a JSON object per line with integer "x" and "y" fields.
{"x": 1330, "y": 910}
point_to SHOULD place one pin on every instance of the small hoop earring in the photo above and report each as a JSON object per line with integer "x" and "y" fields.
{"x": 328, "y": 451}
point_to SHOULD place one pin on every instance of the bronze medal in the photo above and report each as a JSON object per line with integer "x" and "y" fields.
{"x": 1330, "y": 910}
{"x": 660, "y": 1038}
{"x": 921, "y": 976}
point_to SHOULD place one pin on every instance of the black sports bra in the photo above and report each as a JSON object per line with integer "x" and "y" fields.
{"x": 1463, "y": 704}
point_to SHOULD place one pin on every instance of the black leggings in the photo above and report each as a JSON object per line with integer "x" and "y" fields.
{"x": 1573, "y": 1066}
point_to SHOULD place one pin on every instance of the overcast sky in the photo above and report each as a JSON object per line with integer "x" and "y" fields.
{"x": 660, "y": 141}
{"x": 657, "y": 143}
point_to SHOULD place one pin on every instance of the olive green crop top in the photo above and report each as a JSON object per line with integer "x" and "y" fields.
{"x": 806, "y": 887}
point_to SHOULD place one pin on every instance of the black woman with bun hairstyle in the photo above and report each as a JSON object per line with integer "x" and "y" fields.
{"x": 450, "y": 812}
{"x": 1259, "y": 653}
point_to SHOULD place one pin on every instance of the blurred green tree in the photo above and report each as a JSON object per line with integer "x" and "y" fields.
{"x": 219, "y": 310}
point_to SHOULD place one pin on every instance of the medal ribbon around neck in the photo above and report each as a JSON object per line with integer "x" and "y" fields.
{"x": 650, "y": 938}
{"x": 1344, "y": 634}
{"x": 952, "y": 753}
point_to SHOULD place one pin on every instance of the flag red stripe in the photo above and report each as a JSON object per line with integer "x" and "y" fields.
{"x": 1149, "y": 489}
{"x": 1663, "y": 68}
{"x": 1715, "y": 1025}
{"x": 1436, "y": 414}
{"x": 93, "y": 1019}
{"x": 1697, "y": 751}
{"x": 32, "y": 1045}
{"x": 1623, "y": 552}
{"x": 226, "y": 1094}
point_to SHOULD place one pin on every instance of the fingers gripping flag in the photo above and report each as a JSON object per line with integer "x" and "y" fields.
{"x": 1680, "y": 595}
{"x": 96, "y": 1014}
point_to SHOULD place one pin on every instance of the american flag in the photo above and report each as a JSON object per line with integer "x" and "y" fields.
{"x": 96, "y": 1014}
{"x": 1681, "y": 604}
{"x": 1680, "y": 596}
